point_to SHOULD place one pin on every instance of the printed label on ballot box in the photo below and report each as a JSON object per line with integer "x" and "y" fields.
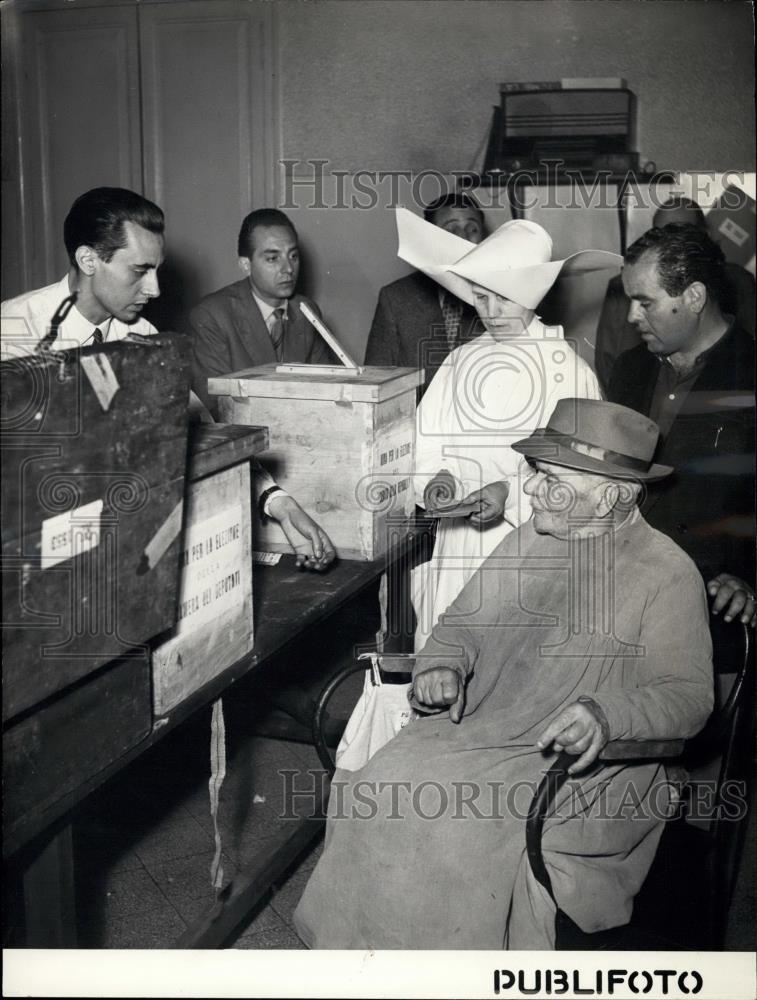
{"x": 211, "y": 570}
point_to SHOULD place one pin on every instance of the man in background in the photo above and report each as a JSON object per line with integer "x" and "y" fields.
{"x": 693, "y": 374}
{"x": 417, "y": 323}
{"x": 257, "y": 320}
{"x": 616, "y": 334}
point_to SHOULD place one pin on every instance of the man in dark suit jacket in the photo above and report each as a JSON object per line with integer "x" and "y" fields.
{"x": 417, "y": 323}
{"x": 256, "y": 320}
{"x": 694, "y": 376}
{"x": 614, "y": 332}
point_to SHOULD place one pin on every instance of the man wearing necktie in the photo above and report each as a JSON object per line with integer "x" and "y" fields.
{"x": 114, "y": 241}
{"x": 417, "y": 323}
{"x": 257, "y": 320}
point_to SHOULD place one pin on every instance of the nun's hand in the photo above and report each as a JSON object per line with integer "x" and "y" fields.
{"x": 491, "y": 500}
{"x": 440, "y": 491}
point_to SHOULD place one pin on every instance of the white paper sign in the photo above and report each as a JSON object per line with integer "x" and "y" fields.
{"x": 211, "y": 570}
{"x": 70, "y": 534}
{"x": 102, "y": 378}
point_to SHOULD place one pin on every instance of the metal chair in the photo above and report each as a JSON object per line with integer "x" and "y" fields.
{"x": 390, "y": 663}
{"x": 727, "y": 736}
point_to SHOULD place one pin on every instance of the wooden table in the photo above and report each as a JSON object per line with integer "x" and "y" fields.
{"x": 288, "y": 601}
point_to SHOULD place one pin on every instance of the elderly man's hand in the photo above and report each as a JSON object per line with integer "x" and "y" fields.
{"x": 735, "y": 597}
{"x": 581, "y": 728}
{"x": 310, "y": 542}
{"x": 438, "y": 687}
{"x": 491, "y": 500}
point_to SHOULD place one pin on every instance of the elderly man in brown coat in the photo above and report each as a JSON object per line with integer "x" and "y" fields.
{"x": 584, "y": 625}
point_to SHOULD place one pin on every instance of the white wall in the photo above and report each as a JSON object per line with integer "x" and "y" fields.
{"x": 400, "y": 85}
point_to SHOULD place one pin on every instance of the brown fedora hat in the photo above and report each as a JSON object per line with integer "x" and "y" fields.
{"x": 600, "y": 437}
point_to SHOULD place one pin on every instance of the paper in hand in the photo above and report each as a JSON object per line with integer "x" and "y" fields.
{"x": 461, "y": 509}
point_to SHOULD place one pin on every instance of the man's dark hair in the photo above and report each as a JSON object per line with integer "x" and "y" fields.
{"x": 261, "y": 217}
{"x": 684, "y": 253}
{"x": 454, "y": 199}
{"x": 678, "y": 203}
{"x": 97, "y": 218}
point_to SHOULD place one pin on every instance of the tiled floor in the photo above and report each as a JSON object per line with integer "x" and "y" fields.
{"x": 144, "y": 852}
{"x": 145, "y": 849}
{"x": 145, "y": 843}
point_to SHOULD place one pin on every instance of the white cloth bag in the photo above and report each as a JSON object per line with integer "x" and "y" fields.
{"x": 383, "y": 709}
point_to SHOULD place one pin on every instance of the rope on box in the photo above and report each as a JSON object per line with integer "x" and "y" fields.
{"x": 217, "y": 774}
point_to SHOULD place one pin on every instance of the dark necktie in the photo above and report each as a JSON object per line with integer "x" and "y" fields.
{"x": 97, "y": 336}
{"x": 452, "y": 311}
{"x": 278, "y": 330}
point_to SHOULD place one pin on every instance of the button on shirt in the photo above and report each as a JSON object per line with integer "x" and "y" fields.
{"x": 671, "y": 390}
{"x": 26, "y": 321}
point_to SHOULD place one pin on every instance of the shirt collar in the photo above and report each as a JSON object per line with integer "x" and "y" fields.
{"x": 76, "y": 330}
{"x": 266, "y": 310}
{"x": 701, "y": 359}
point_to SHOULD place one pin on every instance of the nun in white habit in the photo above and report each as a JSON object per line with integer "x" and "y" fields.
{"x": 490, "y": 392}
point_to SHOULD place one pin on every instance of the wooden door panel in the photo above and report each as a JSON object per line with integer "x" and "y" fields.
{"x": 206, "y": 149}
{"x": 80, "y": 121}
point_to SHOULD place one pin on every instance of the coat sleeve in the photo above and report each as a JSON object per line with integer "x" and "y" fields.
{"x": 457, "y": 638}
{"x": 211, "y": 354}
{"x": 383, "y": 347}
{"x": 262, "y": 480}
{"x": 451, "y": 645}
{"x": 608, "y": 343}
{"x": 673, "y": 696}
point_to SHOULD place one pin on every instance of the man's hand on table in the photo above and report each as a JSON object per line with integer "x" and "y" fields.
{"x": 735, "y": 597}
{"x": 438, "y": 687}
{"x": 580, "y": 729}
{"x": 310, "y": 542}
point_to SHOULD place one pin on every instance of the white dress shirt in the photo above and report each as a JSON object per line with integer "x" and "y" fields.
{"x": 25, "y": 321}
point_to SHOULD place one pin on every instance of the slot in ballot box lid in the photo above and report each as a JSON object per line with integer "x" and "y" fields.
{"x": 370, "y": 384}
{"x": 213, "y": 447}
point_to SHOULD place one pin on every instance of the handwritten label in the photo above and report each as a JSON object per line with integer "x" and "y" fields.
{"x": 211, "y": 570}
{"x": 70, "y": 534}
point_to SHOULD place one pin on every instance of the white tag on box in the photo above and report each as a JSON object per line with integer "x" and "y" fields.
{"x": 212, "y": 566}
{"x": 102, "y": 378}
{"x": 70, "y": 534}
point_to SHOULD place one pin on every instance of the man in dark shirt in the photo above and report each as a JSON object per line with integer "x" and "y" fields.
{"x": 693, "y": 374}
{"x": 615, "y": 334}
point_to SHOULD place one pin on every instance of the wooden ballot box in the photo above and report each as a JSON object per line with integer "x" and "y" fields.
{"x": 214, "y": 627}
{"x": 94, "y": 450}
{"x": 342, "y": 445}
{"x": 67, "y": 740}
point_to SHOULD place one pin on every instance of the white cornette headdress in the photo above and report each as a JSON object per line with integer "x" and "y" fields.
{"x": 513, "y": 262}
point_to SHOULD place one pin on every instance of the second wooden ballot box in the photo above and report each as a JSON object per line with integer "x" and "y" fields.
{"x": 214, "y": 627}
{"x": 342, "y": 444}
